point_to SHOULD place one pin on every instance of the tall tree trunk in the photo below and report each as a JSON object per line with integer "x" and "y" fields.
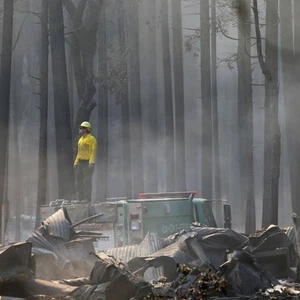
{"x": 102, "y": 153}
{"x": 15, "y": 149}
{"x": 272, "y": 150}
{"x": 250, "y": 220}
{"x": 61, "y": 102}
{"x": 180, "y": 172}
{"x": 151, "y": 127}
{"x": 135, "y": 99}
{"x": 245, "y": 114}
{"x": 18, "y": 168}
{"x": 5, "y": 78}
{"x": 43, "y": 146}
{"x": 168, "y": 94}
{"x": 83, "y": 42}
{"x": 6, "y": 206}
{"x": 214, "y": 103}
{"x": 122, "y": 29}
{"x": 15, "y": 152}
{"x": 291, "y": 86}
{"x": 206, "y": 109}
{"x": 70, "y": 69}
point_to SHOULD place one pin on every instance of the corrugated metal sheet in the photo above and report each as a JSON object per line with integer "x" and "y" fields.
{"x": 148, "y": 246}
{"x": 58, "y": 225}
{"x": 187, "y": 250}
{"x": 50, "y": 238}
{"x": 42, "y": 243}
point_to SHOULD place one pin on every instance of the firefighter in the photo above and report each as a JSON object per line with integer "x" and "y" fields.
{"x": 85, "y": 161}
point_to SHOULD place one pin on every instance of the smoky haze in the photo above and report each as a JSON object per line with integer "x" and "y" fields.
{"x": 22, "y": 175}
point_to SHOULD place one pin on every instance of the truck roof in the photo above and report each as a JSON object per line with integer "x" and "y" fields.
{"x": 185, "y": 194}
{"x": 162, "y": 199}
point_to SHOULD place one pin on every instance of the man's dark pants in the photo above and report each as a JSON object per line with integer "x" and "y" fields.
{"x": 84, "y": 180}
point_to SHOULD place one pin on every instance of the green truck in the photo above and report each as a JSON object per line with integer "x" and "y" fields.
{"x": 126, "y": 222}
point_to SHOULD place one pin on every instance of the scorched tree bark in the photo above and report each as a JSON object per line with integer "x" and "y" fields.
{"x": 122, "y": 29}
{"x": 168, "y": 93}
{"x": 42, "y": 175}
{"x": 206, "y": 117}
{"x": 102, "y": 153}
{"x": 5, "y": 80}
{"x": 272, "y": 150}
{"x": 83, "y": 43}
{"x": 135, "y": 98}
{"x": 245, "y": 115}
{"x": 180, "y": 172}
{"x": 61, "y": 102}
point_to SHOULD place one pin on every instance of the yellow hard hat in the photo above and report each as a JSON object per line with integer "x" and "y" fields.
{"x": 86, "y": 124}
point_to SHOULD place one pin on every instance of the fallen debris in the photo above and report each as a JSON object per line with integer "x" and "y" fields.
{"x": 275, "y": 251}
{"x": 15, "y": 268}
{"x": 245, "y": 275}
{"x": 111, "y": 279}
{"x": 205, "y": 263}
{"x": 192, "y": 283}
{"x": 135, "y": 255}
{"x": 61, "y": 251}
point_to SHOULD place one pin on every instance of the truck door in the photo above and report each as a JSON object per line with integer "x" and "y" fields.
{"x": 166, "y": 217}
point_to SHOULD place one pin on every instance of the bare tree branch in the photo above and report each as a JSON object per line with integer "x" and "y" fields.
{"x": 233, "y": 38}
{"x": 34, "y": 77}
{"x": 19, "y": 34}
{"x": 75, "y": 30}
{"x": 38, "y": 15}
{"x": 262, "y": 64}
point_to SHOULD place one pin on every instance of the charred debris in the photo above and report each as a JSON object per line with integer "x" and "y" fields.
{"x": 59, "y": 262}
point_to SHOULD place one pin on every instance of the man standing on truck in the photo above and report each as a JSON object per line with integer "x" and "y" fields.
{"x": 85, "y": 161}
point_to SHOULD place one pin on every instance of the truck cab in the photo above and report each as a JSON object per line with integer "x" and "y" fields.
{"x": 126, "y": 222}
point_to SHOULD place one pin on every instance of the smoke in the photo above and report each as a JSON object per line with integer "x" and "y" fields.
{"x": 22, "y": 166}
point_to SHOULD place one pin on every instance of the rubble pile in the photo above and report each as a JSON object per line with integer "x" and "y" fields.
{"x": 61, "y": 251}
{"x": 58, "y": 262}
{"x": 109, "y": 279}
{"x": 192, "y": 283}
{"x": 279, "y": 292}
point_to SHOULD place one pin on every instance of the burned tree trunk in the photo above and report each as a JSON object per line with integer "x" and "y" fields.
{"x": 272, "y": 150}
{"x": 245, "y": 115}
{"x": 180, "y": 172}
{"x": 168, "y": 93}
{"x": 291, "y": 85}
{"x": 206, "y": 119}
{"x": 83, "y": 43}
{"x": 151, "y": 136}
{"x": 17, "y": 166}
{"x": 214, "y": 103}
{"x": 42, "y": 172}
{"x": 5, "y": 81}
{"x": 135, "y": 98}
{"x": 124, "y": 102}
{"x": 102, "y": 153}
{"x": 61, "y": 102}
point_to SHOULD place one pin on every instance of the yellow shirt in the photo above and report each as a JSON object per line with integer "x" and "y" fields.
{"x": 87, "y": 147}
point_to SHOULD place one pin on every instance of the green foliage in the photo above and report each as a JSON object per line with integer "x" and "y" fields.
{"x": 115, "y": 79}
{"x": 228, "y": 13}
